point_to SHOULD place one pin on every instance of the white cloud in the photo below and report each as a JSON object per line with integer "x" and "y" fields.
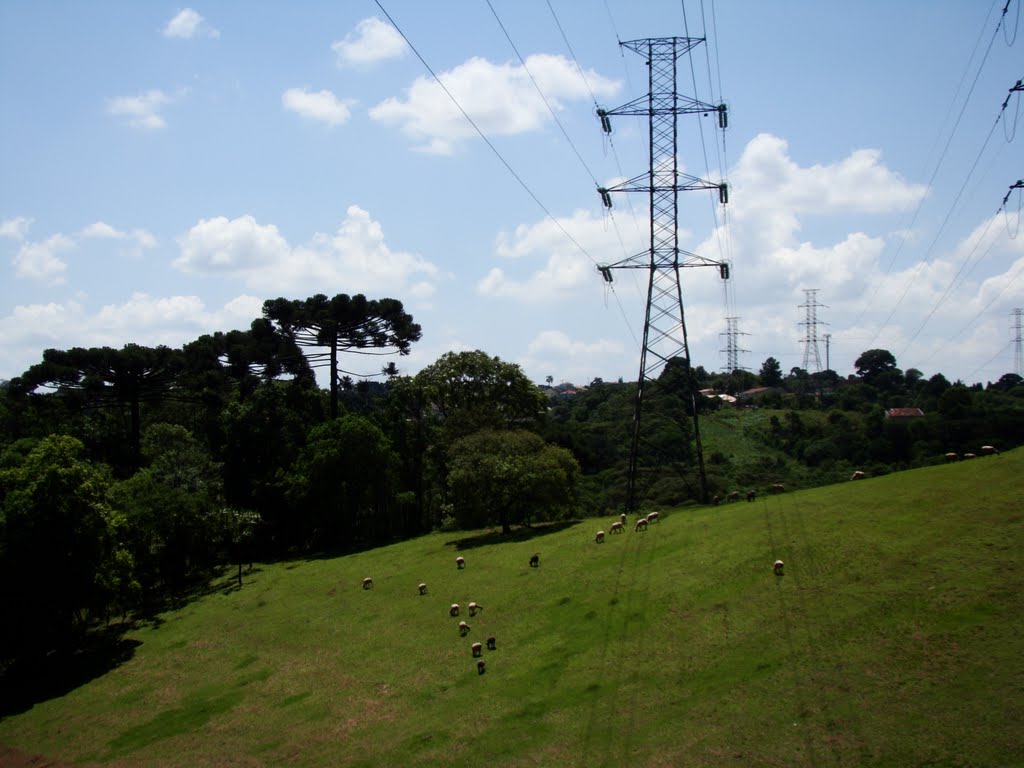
{"x": 42, "y": 261}
{"x": 15, "y": 228}
{"x": 142, "y": 111}
{"x": 319, "y": 105}
{"x": 500, "y": 98}
{"x": 373, "y": 40}
{"x": 356, "y": 257}
{"x": 188, "y": 24}
{"x": 137, "y": 239}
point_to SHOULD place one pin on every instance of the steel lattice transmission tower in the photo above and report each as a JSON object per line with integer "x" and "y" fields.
{"x": 731, "y": 349}
{"x": 811, "y": 338}
{"x": 664, "y": 337}
{"x": 1018, "y": 353}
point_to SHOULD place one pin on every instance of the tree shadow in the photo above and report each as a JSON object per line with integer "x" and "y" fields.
{"x": 29, "y": 681}
{"x": 522, "y": 533}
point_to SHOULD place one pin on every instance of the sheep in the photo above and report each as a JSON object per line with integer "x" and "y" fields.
{"x": 970, "y": 456}
{"x": 473, "y": 608}
{"x": 858, "y": 475}
{"x": 952, "y": 457}
{"x": 734, "y": 496}
{"x": 600, "y": 537}
{"x": 423, "y": 589}
{"x": 777, "y": 567}
{"x": 492, "y": 643}
{"x": 641, "y": 524}
{"x": 989, "y": 450}
{"x": 751, "y": 494}
{"x": 778, "y": 488}
{"x": 463, "y": 629}
{"x": 715, "y": 499}
{"x": 367, "y": 583}
{"x": 481, "y": 667}
{"x": 653, "y": 517}
{"x": 617, "y": 527}
{"x": 478, "y": 650}
{"x": 454, "y": 610}
{"x": 622, "y": 518}
{"x": 535, "y": 560}
{"x": 460, "y": 563}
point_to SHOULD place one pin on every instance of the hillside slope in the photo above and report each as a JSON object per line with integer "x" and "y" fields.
{"x": 894, "y": 638}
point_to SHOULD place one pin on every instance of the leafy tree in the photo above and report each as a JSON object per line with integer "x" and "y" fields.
{"x": 874, "y": 363}
{"x": 771, "y": 373}
{"x": 58, "y": 546}
{"x": 236, "y": 529}
{"x": 343, "y": 324}
{"x": 502, "y": 477}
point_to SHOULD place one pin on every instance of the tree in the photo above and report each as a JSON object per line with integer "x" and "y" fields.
{"x": 109, "y": 378}
{"x": 771, "y": 373}
{"x": 506, "y": 477}
{"x": 874, "y": 363}
{"x": 58, "y": 546}
{"x": 343, "y": 324}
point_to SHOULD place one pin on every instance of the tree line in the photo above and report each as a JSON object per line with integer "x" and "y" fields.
{"x": 127, "y": 475}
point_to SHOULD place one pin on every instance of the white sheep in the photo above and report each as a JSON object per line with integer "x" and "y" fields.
{"x": 481, "y": 667}
{"x": 460, "y": 563}
{"x": 473, "y": 608}
{"x": 367, "y": 583}
{"x": 777, "y": 567}
{"x": 617, "y": 528}
{"x": 600, "y": 537}
{"x": 463, "y": 629}
{"x": 652, "y": 517}
{"x": 989, "y": 450}
{"x": 641, "y": 524}
{"x": 478, "y": 650}
{"x": 858, "y": 475}
{"x": 622, "y": 518}
{"x": 423, "y": 589}
{"x": 454, "y": 610}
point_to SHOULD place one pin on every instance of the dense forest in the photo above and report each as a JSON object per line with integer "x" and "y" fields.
{"x": 128, "y": 476}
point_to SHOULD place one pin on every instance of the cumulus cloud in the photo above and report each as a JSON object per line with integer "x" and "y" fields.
{"x": 136, "y": 240}
{"x": 356, "y": 256}
{"x": 16, "y": 228}
{"x": 373, "y": 40}
{"x": 188, "y": 24}
{"x": 142, "y": 111}
{"x": 42, "y": 261}
{"x": 323, "y": 106}
{"x": 500, "y": 98}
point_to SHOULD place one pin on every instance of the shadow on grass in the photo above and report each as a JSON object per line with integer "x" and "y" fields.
{"x": 29, "y": 681}
{"x": 522, "y": 533}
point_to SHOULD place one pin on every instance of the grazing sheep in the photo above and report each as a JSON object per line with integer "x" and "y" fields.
{"x": 463, "y": 629}
{"x": 460, "y": 563}
{"x": 367, "y": 583}
{"x": 423, "y": 589}
{"x": 600, "y": 537}
{"x": 858, "y": 475}
{"x": 491, "y": 643}
{"x": 952, "y": 457}
{"x": 617, "y": 528}
{"x": 478, "y": 650}
{"x": 734, "y": 496}
{"x": 622, "y": 518}
{"x": 535, "y": 560}
{"x": 989, "y": 450}
{"x": 778, "y": 488}
{"x": 751, "y": 494}
{"x": 653, "y": 517}
{"x": 481, "y": 667}
{"x": 777, "y": 567}
{"x": 473, "y": 608}
{"x": 454, "y": 610}
{"x": 970, "y": 456}
{"x": 641, "y": 524}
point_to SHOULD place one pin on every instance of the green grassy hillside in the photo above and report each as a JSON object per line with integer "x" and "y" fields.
{"x": 894, "y": 638}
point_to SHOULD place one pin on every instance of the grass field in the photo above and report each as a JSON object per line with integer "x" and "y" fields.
{"x": 894, "y": 639}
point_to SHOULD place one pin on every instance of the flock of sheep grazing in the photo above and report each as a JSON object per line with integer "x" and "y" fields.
{"x": 619, "y": 526}
{"x": 985, "y": 450}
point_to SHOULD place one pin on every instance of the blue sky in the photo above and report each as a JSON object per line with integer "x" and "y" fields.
{"x": 165, "y": 169}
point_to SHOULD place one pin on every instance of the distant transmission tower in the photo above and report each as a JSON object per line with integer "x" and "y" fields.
{"x": 731, "y": 349}
{"x": 664, "y": 339}
{"x": 811, "y": 353}
{"x": 1018, "y": 355}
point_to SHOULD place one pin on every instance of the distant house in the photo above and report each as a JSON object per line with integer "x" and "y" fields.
{"x": 901, "y": 414}
{"x": 750, "y": 394}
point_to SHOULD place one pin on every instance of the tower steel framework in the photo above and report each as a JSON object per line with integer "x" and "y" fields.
{"x": 810, "y": 340}
{"x": 1018, "y": 354}
{"x": 664, "y": 338}
{"x": 732, "y": 349}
